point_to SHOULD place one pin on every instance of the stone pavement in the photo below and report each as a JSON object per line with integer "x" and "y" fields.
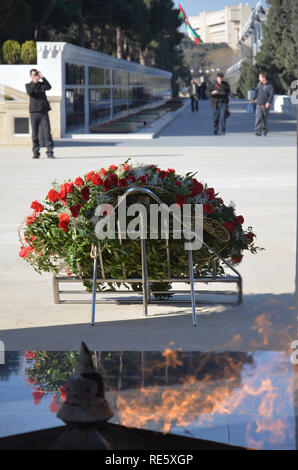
{"x": 258, "y": 173}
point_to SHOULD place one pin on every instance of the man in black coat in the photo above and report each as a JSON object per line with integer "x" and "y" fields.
{"x": 263, "y": 97}
{"x": 219, "y": 98}
{"x": 39, "y": 108}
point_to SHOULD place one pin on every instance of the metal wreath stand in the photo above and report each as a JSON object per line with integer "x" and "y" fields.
{"x": 145, "y": 281}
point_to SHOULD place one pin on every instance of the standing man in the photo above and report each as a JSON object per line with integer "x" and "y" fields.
{"x": 39, "y": 108}
{"x": 219, "y": 99}
{"x": 194, "y": 95}
{"x": 263, "y": 97}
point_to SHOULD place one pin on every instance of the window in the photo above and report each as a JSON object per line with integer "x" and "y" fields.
{"x": 74, "y": 74}
{"x": 75, "y": 112}
{"x": 21, "y": 125}
{"x": 99, "y": 76}
{"x": 99, "y": 104}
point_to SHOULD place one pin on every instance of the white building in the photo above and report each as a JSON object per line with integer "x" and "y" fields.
{"x": 88, "y": 87}
{"x": 222, "y": 25}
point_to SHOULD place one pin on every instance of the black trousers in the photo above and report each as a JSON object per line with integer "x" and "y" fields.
{"x": 194, "y": 103}
{"x": 40, "y": 121}
{"x": 219, "y": 117}
{"x": 261, "y": 122}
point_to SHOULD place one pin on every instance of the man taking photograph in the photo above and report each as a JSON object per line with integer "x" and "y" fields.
{"x": 39, "y": 108}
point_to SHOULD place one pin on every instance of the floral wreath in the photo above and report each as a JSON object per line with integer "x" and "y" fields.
{"x": 58, "y": 236}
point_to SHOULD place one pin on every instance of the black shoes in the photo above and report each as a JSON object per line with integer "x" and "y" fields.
{"x": 215, "y": 132}
{"x": 259, "y": 135}
{"x": 49, "y": 155}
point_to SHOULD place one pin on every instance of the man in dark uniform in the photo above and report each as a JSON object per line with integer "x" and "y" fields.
{"x": 39, "y": 108}
{"x": 219, "y": 99}
{"x": 263, "y": 97}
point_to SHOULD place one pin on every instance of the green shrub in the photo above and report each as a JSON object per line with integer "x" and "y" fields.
{"x": 28, "y": 52}
{"x": 11, "y": 52}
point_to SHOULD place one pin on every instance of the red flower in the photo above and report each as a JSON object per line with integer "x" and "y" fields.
{"x": 237, "y": 258}
{"x": 113, "y": 167}
{"x": 30, "y": 239}
{"x": 142, "y": 179}
{"x": 25, "y": 251}
{"x": 219, "y": 199}
{"x": 53, "y": 196}
{"x": 196, "y": 187}
{"x": 85, "y": 191}
{"x": 170, "y": 170}
{"x": 96, "y": 180}
{"x": 230, "y": 226}
{"x": 75, "y": 210}
{"x": 29, "y": 355}
{"x": 131, "y": 177}
{"x": 180, "y": 199}
{"x": 125, "y": 167}
{"x": 163, "y": 174}
{"x": 113, "y": 178}
{"x": 250, "y": 236}
{"x": 210, "y": 192}
{"x": 239, "y": 220}
{"x": 63, "y": 393}
{"x": 69, "y": 187}
{"x": 122, "y": 182}
{"x": 37, "y": 396}
{"x": 36, "y": 206}
{"x": 63, "y": 221}
{"x": 89, "y": 176}
{"x": 63, "y": 194}
{"x": 31, "y": 381}
{"x": 102, "y": 172}
{"x": 54, "y": 406}
{"x": 178, "y": 183}
{"x": 208, "y": 208}
{"x": 107, "y": 184}
{"x": 79, "y": 182}
{"x": 31, "y": 219}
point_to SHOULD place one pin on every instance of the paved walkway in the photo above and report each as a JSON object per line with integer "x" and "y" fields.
{"x": 259, "y": 174}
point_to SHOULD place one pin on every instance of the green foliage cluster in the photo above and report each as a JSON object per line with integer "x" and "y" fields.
{"x": 14, "y": 53}
{"x": 49, "y": 370}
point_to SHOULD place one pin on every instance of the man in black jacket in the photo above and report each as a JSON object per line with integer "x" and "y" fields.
{"x": 219, "y": 98}
{"x": 39, "y": 108}
{"x": 263, "y": 97}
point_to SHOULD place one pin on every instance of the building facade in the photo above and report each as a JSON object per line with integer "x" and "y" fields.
{"x": 88, "y": 88}
{"x": 222, "y": 25}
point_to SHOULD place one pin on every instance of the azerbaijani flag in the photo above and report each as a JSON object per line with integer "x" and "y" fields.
{"x": 190, "y": 31}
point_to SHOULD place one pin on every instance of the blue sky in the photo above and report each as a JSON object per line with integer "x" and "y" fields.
{"x": 193, "y": 7}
